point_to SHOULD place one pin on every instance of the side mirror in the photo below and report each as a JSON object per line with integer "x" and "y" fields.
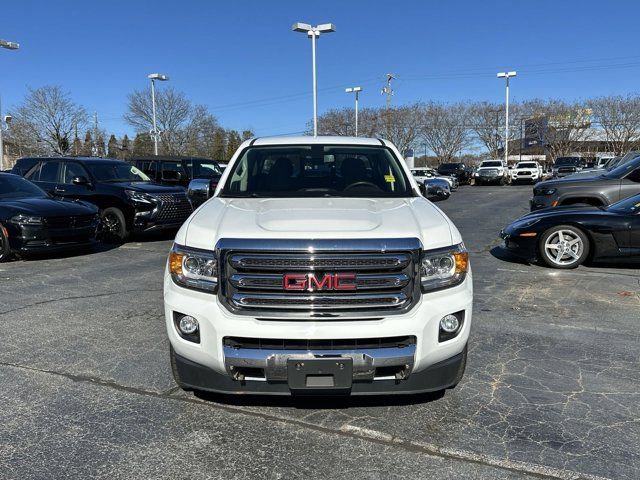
{"x": 81, "y": 180}
{"x": 422, "y": 188}
{"x": 200, "y": 190}
{"x": 437, "y": 192}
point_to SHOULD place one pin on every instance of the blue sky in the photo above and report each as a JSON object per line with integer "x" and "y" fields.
{"x": 242, "y": 60}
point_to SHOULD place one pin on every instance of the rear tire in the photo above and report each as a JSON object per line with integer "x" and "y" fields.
{"x": 564, "y": 246}
{"x": 5, "y": 248}
{"x": 114, "y": 226}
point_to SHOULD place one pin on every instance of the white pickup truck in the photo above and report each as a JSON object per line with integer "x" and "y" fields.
{"x": 527, "y": 171}
{"x": 317, "y": 267}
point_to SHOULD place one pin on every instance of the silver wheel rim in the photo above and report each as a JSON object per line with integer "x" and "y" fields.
{"x": 564, "y": 247}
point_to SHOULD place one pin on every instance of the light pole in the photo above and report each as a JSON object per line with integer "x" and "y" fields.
{"x": 312, "y": 33}
{"x": 5, "y": 121}
{"x": 155, "y": 133}
{"x": 355, "y": 90}
{"x": 507, "y": 76}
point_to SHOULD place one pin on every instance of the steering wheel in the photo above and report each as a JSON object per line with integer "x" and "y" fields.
{"x": 362, "y": 184}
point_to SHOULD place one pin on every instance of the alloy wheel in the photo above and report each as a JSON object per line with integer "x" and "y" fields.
{"x": 564, "y": 248}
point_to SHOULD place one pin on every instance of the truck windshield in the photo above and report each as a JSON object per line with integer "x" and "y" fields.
{"x": 526, "y": 165}
{"x": 571, "y": 161}
{"x": 116, "y": 172}
{"x": 317, "y": 171}
{"x": 491, "y": 164}
{"x": 203, "y": 169}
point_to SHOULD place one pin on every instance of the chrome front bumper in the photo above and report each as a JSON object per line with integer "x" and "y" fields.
{"x": 366, "y": 361}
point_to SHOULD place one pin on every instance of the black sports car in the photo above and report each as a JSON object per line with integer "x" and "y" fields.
{"x": 564, "y": 237}
{"x": 32, "y": 222}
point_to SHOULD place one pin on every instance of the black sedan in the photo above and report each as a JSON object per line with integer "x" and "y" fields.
{"x": 31, "y": 221}
{"x": 564, "y": 237}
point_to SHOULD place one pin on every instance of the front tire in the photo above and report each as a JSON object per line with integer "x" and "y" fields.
{"x": 5, "y": 248}
{"x": 114, "y": 226}
{"x": 564, "y": 246}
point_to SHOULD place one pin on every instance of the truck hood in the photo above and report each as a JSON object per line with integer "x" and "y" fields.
{"x": 318, "y": 218}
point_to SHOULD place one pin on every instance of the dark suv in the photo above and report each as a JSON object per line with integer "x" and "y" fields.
{"x": 563, "y": 166}
{"x": 178, "y": 170}
{"x": 127, "y": 198}
{"x": 458, "y": 170}
{"x": 597, "y": 190}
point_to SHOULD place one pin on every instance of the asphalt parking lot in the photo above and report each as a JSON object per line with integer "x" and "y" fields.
{"x": 551, "y": 389}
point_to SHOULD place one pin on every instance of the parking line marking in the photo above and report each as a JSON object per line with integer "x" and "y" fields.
{"x": 347, "y": 430}
{"x": 465, "y": 455}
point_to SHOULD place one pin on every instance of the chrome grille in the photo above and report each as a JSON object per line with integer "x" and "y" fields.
{"x": 310, "y": 262}
{"x": 173, "y": 207}
{"x": 488, "y": 172}
{"x": 252, "y": 279}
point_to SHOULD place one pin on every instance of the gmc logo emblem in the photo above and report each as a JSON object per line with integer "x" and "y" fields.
{"x": 312, "y": 282}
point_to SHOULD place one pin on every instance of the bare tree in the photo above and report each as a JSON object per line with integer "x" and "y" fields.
{"x": 402, "y": 125}
{"x": 196, "y": 137}
{"x": 173, "y": 111}
{"x": 485, "y": 122}
{"x": 342, "y": 122}
{"x": 46, "y": 120}
{"x": 619, "y": 118}
{"x": 445, "y": 129}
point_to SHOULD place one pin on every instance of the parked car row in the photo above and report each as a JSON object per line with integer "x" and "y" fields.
{"x": 65, "y": 202}
{"x": 580, "y": 217}
{"x": 32, "y": 221}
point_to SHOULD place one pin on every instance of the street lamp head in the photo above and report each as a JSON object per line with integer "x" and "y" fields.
{"x": 301, "y": 27}
{"x": 506, "y": 74}
{"x": 158, "y": 76}
{"x": 326, "y": 28}
{"x": 9, "y": 45}
{"x": 310, "y": 30}
{"x": 353, "y": 89}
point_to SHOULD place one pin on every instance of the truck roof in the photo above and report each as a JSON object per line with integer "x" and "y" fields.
{"x": 321, "y": 139}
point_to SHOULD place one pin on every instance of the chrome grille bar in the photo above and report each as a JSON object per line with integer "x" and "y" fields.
{"x": 307, "y": 262}
{"x": 266, "y": 281}
{"x": 319, "y": 302}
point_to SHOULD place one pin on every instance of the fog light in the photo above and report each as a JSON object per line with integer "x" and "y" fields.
{"x": 188, "y": 325}
{"x": 449, "y": 323}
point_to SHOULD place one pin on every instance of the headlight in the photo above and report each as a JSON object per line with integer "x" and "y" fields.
{"x": 526, "y": 223}
{"x": 139, "y": 197}
{"x": 194, "y": 268}
{"x": 443, "y": 268}
{"x": 545, "y": 191}
{"x": 26, "y": 220}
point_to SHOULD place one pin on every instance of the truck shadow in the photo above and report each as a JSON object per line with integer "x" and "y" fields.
{"x": 320, "y": 402}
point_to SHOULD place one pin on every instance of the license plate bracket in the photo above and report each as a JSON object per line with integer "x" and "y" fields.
{"x": 320, "y": 375}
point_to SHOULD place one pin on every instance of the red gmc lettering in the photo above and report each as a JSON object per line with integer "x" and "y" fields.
{"x": 325, "y": 284}
{"x": 329, "y": 281}
{"x": 344, "y": 281}
{"x": 295, "y": 281}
